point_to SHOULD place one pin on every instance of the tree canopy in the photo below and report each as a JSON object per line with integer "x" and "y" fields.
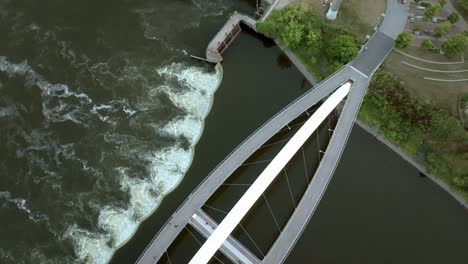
{"x": 442, "y": 29}
{"x": 404, "y": 40}
{"x": 453, "y": 18}
{"x": 463, "y": 4}
{"x": 295, "y": 26}
{"x": 432, "y": 11}
{"x": 343, "y": 49}
{"x": 427, "y": 44}
{"x": 455, "y": 44}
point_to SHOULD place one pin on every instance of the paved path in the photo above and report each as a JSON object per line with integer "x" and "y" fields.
{"x": 395, "y": 18}
{"x": 231, "y": 247}
{"x": 378, "y": 48}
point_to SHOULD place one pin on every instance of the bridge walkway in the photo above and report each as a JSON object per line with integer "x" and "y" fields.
{"x": 378, "y": 48}
{"x": 358, "y": 71}
{"x": 231, "y": 247}
{"x": 218, "y": 176}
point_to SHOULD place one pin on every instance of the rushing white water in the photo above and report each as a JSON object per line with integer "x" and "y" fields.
{"x": 168, "y": 166}
{"x": 99, "y": 120}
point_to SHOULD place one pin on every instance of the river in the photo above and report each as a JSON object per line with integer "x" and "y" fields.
{"x": 101, "y": 113}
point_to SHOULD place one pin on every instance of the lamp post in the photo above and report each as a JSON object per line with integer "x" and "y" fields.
{"x": 333, "y": 10}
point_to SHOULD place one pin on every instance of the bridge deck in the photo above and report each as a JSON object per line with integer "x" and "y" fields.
{"x": 231, "y": 248}
{"x": 358, "y": 71}
{"x": 378, "y": 47}
{"x": 218, "y": 176}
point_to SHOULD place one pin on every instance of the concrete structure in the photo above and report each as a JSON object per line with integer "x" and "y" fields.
{"x": 226, "y": 36}
{"x": 231, "y": 248}
{"x": 333, "y": 10}
{"x": 301, "y": 67}
{"x": 358, "y": 72}
{"x": 269, "y": 174}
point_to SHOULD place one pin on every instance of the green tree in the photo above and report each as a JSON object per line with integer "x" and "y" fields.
{"x": 343, "y": 49}
{"x": 268, "y": 28}
{"x": 418, "y": 27}
{"x": 455, "y": 45}
{"x": 461, "y": 182}
{"x": 427, "y": 44}
{"x": 296, "y": 27}
{"x": 442, "y": 3}
{"x": 453, "y": 18}
{"x": 432, "y": 11}
{"x": 463, "y": 4}
{"x": 442, "y": 29}
{"x": 445, "y": 127}
{"x": 293, "y": 35}
{"x": 404, "y": 40}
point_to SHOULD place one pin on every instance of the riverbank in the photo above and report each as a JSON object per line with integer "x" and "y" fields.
{"x": 414, "y": 163}
{"x": 421, "y": 131}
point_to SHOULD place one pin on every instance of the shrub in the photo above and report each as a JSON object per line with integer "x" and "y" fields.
{"x": 455, "y": 45}
{"x": 418, "y": 26}
{"x": 425, "y": 4}
{"x": 442, "y": 29}
{"x": 294, "y": 26}
{"x": 418, "y": 129}
{"x": 442, "y": 3}
{"x": 463, "y": 4}
{"x": 343, "y": 49}
{"x": 432, "y": 11}
{"x": 453, "y": 18}
{"x": 427, "y": 44}
{"x": 403, "y": 40}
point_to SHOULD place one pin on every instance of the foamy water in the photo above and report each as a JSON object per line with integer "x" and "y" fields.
{"x": 193, "y": 95}
{"x": 99, "y": 120}
{"x": 168, "y": 166}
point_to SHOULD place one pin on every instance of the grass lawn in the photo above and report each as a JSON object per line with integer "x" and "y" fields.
{"x": 443, "y": 95}
{"x": 355, "y": 16}
{"x": 432, "y": 137}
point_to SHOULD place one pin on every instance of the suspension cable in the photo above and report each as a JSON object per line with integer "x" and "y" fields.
{"x": 255, "y": 162}
{"x": 277, "y": 142}
{"x": 200, "y": 243}
{"x": 271, "y": 212}
{"x": 245, "y": 230}
{"x": 236, "y": 184}
{"x": 168, "y": 258}
{"x": 289, "y": 186}
{"x": 305, "y": 165}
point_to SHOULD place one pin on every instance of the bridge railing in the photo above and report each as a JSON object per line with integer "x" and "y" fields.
{"x": 244, "y": 142}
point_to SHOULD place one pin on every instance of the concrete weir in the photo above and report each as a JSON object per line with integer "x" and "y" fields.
{"x": 226, "y": 36}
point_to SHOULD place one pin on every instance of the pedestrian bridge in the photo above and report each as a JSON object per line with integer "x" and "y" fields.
{"x": 356, "y": 76}
{"x": 345, "y": 90}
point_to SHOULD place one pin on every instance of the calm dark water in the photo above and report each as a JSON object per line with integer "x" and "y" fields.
{"x": 100, "y": 112}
